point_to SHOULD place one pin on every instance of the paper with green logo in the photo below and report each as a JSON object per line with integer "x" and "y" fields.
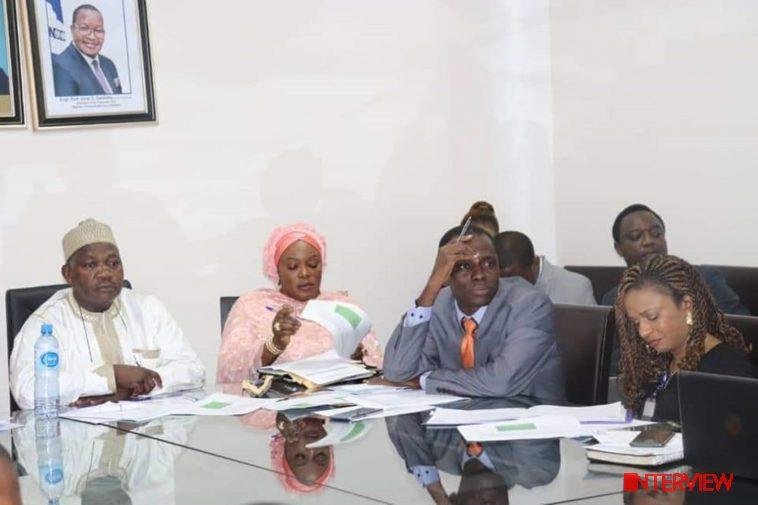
{"x": 347, "y": 323}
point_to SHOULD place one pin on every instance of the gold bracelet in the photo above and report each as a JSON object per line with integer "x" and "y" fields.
{"x": 272, "y": 348}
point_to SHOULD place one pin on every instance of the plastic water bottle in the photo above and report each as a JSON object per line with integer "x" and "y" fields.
{"x": 46, "y": 368}
{"x": 49, "y": 457}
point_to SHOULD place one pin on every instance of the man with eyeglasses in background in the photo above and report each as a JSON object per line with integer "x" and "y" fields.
{"x": 80, "y": 69}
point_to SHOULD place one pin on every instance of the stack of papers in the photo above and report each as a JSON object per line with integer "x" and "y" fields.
{"x": 599, "y": 414}
{"x": 614, "y": 448}
{"x": 456, "y": 417}
{"x": 321, "y": 370}
{"x": 312, "y": 400}
{"x": 220, "y": 404}
{"x": 347, "y": 323}
{"x": 531, "y": 428}
{"x": 393, "y": 402}
{"x": 136, "y": 411}
{"x": 217, "y": 404}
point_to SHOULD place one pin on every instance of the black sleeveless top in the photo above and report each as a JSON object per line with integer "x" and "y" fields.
{"x": 722, "y": 359}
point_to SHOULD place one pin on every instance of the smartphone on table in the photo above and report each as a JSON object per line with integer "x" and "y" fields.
{"x": 653, "y": 436}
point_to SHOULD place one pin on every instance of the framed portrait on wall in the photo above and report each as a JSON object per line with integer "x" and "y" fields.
{"x": 11, "y": 92}
{"x": 90, "y": 62}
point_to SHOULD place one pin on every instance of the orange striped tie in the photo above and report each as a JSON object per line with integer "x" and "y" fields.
{"x": 467, "y": 342}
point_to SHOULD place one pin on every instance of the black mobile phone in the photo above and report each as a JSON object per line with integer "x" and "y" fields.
{"x": 653, "y": 437}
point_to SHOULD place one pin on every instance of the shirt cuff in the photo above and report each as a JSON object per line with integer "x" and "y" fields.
{"x": 426, "y": 475}
{"x": 416, "y": 316}
{"x": 422, "y": 380}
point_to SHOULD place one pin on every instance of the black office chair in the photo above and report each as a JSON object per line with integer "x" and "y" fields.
{"x": 20, "y": 303}
{"x": 748, "y": 326}
{"x": 225, "y": 304}
{"x": 581, "y": 334}
{"x": 602, "y": 278}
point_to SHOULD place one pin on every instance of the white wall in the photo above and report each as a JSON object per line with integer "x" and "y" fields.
{"x": 380, "y": 122}
{"x": 656, "y": 102}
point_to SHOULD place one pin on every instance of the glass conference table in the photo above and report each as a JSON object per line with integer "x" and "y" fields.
{"x": 262, "y": 458}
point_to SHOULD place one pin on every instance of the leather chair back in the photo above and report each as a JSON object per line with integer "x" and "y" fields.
{"x": 225, "y": 304}
{"x": 602, "y": 278}
{"x": 744, "y": 282}
{"x": 581, "y": 332}
{"x": 748, "y": 326}
{"x": 20, "y": 303}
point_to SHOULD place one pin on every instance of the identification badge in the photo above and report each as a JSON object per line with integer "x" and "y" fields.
{"x": 648, "y": 409}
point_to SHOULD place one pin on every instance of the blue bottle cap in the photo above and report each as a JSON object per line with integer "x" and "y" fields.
{"x": 47, "y": 329}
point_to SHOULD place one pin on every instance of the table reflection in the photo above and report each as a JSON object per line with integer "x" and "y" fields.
{"x": 75, "y": 462}
{"x": 487, "y": 471}
{"x": 301, "y": 467}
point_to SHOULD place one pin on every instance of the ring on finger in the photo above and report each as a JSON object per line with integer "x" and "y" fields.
{"x": 277, "y": 327}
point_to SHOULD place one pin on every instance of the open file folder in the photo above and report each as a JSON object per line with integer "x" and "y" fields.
{"x": 320, "y": 370}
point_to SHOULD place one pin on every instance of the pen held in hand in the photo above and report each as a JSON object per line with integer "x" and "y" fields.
{"x": 272, "y": 309}
{"x": 465, "y": 229}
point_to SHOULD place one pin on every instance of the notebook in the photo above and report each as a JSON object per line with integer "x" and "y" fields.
{"x": 614, "y": 448}
{"x": 320, "y": 370}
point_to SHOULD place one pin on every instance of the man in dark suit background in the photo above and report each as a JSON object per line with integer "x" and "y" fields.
{"x": 80, "y": 69}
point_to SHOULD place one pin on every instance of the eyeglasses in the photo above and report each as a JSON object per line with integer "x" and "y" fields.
{"x": 86, "y": 30}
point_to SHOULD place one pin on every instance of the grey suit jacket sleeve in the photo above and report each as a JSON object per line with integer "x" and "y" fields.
{"x": 529, "y": 343}
{"x": 586, "y": 294}
{"x": 409, "y": 352}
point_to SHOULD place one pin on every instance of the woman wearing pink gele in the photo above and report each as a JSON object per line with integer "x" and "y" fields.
{"x": 263, "y": 327}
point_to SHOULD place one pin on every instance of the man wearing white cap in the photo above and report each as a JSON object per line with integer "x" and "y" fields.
{"x": 112, "y": 341}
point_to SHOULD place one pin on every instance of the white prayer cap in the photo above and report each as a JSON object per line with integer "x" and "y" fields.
{"x": 87, "y": 232}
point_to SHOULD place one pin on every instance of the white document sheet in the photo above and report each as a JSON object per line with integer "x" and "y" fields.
{"x": 402, "y": 398}
{"x": 220, "y": 404}
{"x": 612, "y": 412}
{"x": 392, "y": 402}
{"x": 596, "y": 417}
{"x": 522, "y": 429}
{"x": 323, "y": 369}
{"x": 311, "y": 400}
{"x": 364, "y": 389}
{"x": 137, "y": 411}
{"x": 347, "y": 323}
{"x": 455, "y": 417}
{"x": 593, "y": 429}
{"x": 399, "y": 411}
{"x": 342, "y": 433}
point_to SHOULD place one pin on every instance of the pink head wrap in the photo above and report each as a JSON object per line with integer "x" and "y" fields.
{"x": 283, "y": 237}
{"x": 287, "y": 476}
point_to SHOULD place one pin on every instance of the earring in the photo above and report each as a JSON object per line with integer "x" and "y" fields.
{"x": 689, "y": 318}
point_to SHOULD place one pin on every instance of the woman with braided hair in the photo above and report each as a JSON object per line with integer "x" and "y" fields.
{"x": 668, "y": 321}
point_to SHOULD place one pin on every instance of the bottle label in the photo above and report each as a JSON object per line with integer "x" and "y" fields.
{"x": 54, "y": 476}
{"x": 49, "y": 359}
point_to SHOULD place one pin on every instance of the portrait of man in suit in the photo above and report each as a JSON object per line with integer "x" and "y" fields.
{"x": 80, "y": 69}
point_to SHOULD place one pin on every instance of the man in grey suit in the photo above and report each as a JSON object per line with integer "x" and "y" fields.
{"x": 515, "y": 253}
{"x": 80, "y": 69}
{"x": 481, "y": 336}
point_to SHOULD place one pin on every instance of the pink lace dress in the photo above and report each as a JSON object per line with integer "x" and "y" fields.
{"x": 249, "y": 325}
